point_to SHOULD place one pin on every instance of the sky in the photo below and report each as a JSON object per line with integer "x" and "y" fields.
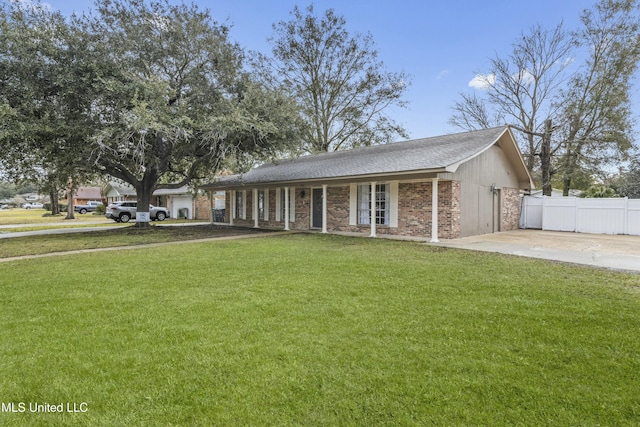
{"x": 442, "y": 45}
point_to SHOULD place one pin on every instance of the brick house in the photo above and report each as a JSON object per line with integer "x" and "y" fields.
{"x": 84, "y": 195}
{"x": 443, "y": 187}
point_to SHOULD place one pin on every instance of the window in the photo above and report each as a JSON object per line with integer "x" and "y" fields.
{"x": 238, "y": 204}
{"x": 380, "y": 204}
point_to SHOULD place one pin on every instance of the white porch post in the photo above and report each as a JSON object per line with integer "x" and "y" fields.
{"x": 434, "y": 211}
{"x": 286, "y": 208}
{"x": 324, "y": 208}
{"x": 232, "y": 206}
{"x": 255, "y": 208}
{"x": 372, "y": 209}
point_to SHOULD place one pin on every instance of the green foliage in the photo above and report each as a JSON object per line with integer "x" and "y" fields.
{"x": 629, "y": 184}
{"x": 341, "y": 87}
{"x": 61, "y": 207}
{"x": 599, "y": 191}
{"x": 44, "y": 97}
{"x": 7, "y": 190}
{"x": 148, "y": 92}
{"x": 321, "y": 330}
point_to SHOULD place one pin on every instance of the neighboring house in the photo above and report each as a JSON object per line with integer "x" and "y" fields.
{"x": 87, "y": 194}
{"x": 442, "y": 187}
{"x": 116, "y": 192}
{"x": 180, "y": 201}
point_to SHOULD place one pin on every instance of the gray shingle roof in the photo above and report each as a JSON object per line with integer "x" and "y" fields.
{"x": 435, "y": 153}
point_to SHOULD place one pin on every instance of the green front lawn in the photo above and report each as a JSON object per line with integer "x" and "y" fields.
{"x": 124, "y": 235}
{"x": 318, "y": 330}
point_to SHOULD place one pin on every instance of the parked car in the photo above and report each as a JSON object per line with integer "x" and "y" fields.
{"x": 33, "y": 205}
{"x": 125, "y": 211}
{"x": 88, "y": 207}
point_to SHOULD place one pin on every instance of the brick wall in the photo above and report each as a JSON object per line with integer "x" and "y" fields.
{"x": 415, "y": 209}
{"x": 202, "y": 208}
{"x": 510, "y": 209}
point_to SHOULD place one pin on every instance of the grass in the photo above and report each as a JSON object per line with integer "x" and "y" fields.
{"x": 41, "y": 216}
{"x": 126, "y": 235}
{"x": 39, "y": 219}
{"x": 318, "y": 330}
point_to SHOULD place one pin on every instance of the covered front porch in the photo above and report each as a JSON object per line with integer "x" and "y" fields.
{"x": 387, "y": 207}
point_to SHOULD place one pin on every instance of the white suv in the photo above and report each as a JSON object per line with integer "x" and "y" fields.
{"x": 33, "y": 206}
{"x": 124, "y": 211}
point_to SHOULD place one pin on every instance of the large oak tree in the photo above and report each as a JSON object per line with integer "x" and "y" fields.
{"x": 174, "y": 101}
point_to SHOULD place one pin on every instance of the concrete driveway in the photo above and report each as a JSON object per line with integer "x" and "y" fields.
{"x": 599, "y": 250}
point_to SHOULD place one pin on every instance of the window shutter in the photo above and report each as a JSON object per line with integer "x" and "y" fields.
{"x": 353, "y": 204}
{"x": 292, "y": 204}
{"x": 244, "y": 204}
{"x": 393, "y": 201}
{"x": 233, "y": 204}
{"x": 278, "y": 205}
{"x": 266, "y": 204}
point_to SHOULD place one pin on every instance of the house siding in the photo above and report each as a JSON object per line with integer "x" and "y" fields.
{"x": 481, "y": 211}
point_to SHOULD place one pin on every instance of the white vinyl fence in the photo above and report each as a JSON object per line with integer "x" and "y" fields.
{"x": 599, "y": 216}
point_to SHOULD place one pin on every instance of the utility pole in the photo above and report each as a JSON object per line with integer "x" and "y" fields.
{"x": 545, "y": 158}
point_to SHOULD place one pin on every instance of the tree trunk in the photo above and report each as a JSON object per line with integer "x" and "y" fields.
{"x": 545, "y": 158}
{"x": 144, "y": 192}
{"x": 566, "y": 182}
{"x": 53, "y": 196}
{"x": 70, "y": 190}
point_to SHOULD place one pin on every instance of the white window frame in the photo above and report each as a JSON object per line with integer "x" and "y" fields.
{"x": 381, "y": 204}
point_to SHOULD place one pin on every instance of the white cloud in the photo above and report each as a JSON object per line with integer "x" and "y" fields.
{"x": 442, "y": 74}
{"x": 524, "y": 77}
{"x": 482, "y": 81}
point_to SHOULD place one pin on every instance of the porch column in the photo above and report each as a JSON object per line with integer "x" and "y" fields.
{"x": 372, "y": 209}
{"x": 434, "y": 211}
{"x": 286, "y": 208}
{"x": 324, "y": 208}
{"x": 232, "y": 205}
{"x": 255, "y": 208}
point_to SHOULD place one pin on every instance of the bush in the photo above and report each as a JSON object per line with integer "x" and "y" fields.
{"x": 100, "y": 210}
{"x": 61, "y": 207}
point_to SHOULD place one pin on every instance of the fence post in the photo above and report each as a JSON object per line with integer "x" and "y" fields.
{"x": 625, "y": 226}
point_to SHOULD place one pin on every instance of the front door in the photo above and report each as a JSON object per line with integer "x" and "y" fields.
{"x": 316, "y": 215}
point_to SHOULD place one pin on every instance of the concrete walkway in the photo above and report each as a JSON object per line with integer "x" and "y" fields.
{"x": 148, "y": 245}
{"x": 66, "y": 229}
{"x": 619, "y": 252}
